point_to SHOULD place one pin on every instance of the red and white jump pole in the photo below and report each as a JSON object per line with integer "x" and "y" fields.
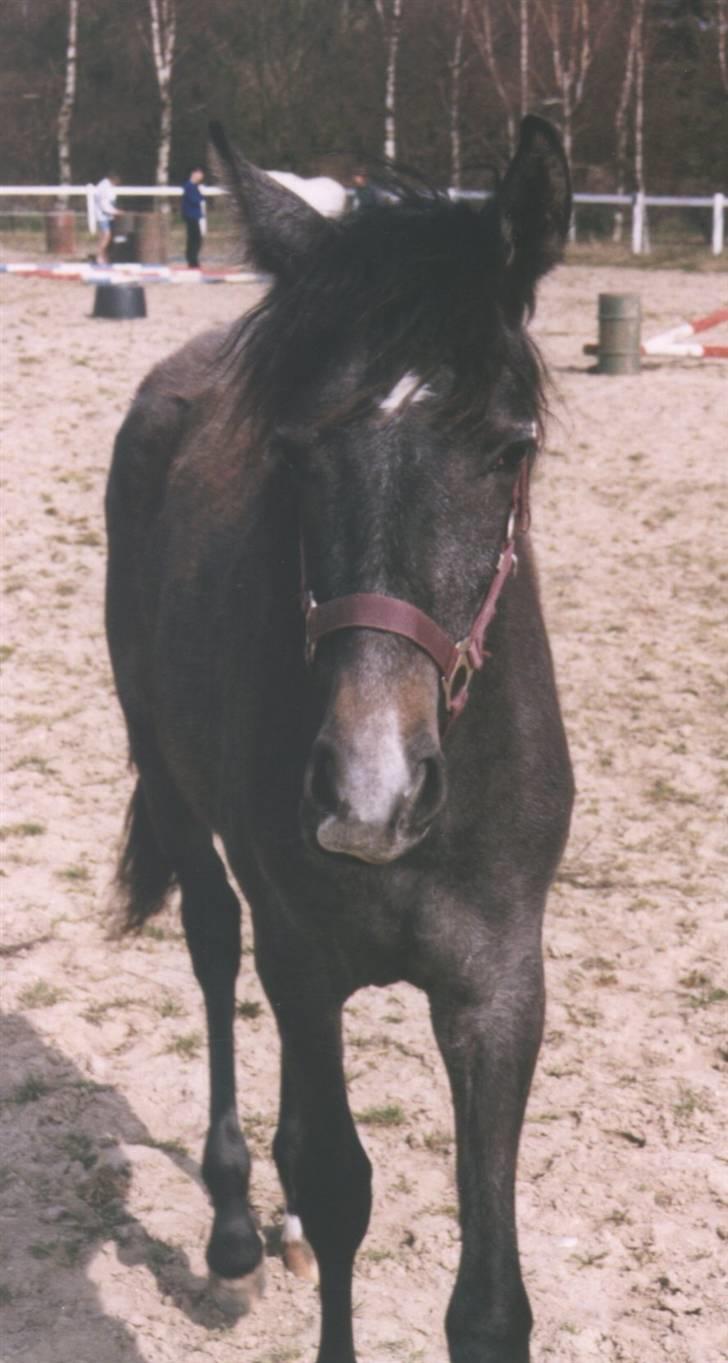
{"x": 675, "y": 341}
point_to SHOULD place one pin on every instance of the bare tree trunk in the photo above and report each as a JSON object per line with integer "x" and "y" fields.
{"x": 163, "y": 17}
{"x": 569, "y": 34}
{"x": 524, "y": 35}
{"x": 391, "y": 21}
{"x": 483, "y": 37}
{"x": 722, "y": 6}
{"x": 639, "y": 114}
{"x": 625, "y": 99}
{"x": 456, "y": 71}
{"x": 69, "y": 96}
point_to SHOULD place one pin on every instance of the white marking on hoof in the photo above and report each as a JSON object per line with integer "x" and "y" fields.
{"x": 410, "y": 388}
{"x": 292, "y": 1229}
{"x": 238, "y": 1296}
{"x": 298, "y": 1257}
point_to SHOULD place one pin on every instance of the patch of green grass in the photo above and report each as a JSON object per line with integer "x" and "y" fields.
{"x": 391, "y": 1114}
{"x": 6, "y": 1295}
{"x": 153, "y": 932}
{"x": 169, "y": 1007}
{"x": 663, "y": 792}
{"x": 248, "y": 1008}
{"x": 618, "y": 1217}
{"x": 42, "y": 1249}
{"x": 377, "y": 1256}
{"x": 688, "y": 1103}
{"x": 6, "y": 652}
{"x": 77, "y": 874}
{"x": 438, "y": 1142}
{"x": 403, "y": 1185}
{"x": 588, "y": 1260}
{"x": 188, "y": 1045}
{"x": 40, "y": 995}
{"x": 33, "y": 762}
{"x": 707, "y": 993}
{"x": 171, "y": 1147}
{"x": 96, "y": 1012}
{"x": 30, "y": 829}
{"x": 79, "y": 1147}
{"x": 280, "y": 1353}
{"x": 31, "y": 1089}
{"x": 158, "y": 1254}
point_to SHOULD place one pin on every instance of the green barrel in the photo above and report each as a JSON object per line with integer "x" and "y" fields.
{"x": 619, "y": 333}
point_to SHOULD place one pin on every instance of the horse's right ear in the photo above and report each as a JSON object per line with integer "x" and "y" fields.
{"x": 280, "y": 228}
{"x": 534, "y": 204}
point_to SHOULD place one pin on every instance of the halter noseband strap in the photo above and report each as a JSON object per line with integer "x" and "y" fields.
{"x": 456, "y": 663}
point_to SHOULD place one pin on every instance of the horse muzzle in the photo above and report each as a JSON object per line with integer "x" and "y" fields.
{"x": 373, "y": 800}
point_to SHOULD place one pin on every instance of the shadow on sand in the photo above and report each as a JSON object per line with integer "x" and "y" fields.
{"x": 64, "y": 1182}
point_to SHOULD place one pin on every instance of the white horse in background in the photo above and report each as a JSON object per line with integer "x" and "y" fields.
{"x": 321, "y": 192}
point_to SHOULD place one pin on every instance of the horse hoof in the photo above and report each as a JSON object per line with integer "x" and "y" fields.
{"x": 300, "y": 1260}
{"x": 238, "y": 1296}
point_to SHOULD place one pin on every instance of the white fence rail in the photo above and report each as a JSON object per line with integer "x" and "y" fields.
{"x": 636, "y": 203}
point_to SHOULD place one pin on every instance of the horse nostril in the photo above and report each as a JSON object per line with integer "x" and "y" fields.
{"x": 427, "y": 794}
{"x": 322, "y": 779}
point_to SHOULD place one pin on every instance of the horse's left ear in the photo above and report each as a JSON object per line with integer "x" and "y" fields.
{"x": 534, "y": 204}
{"x": 280, "y": 228}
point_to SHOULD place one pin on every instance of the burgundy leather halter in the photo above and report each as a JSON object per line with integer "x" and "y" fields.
{"x": 457, "y": 663}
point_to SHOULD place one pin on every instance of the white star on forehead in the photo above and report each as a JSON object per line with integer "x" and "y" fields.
{"x": 410, "y": 388}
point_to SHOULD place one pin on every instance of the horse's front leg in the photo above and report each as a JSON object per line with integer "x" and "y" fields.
{"x": 488, "y": 1019}
{"x": 211, "y": 919}
{"x": 323, "y": 1168}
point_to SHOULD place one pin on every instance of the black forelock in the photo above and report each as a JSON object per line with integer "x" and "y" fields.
{"x": 415, "y": 286}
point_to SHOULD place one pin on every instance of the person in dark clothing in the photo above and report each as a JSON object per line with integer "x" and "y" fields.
{"x": 193, "y": 210}
{"x": 364, "y": 194}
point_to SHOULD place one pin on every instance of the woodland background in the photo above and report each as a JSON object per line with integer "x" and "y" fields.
{"x": 639, "y": 87}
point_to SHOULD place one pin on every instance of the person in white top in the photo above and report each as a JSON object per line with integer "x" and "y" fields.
{"x": 105, "y": 206}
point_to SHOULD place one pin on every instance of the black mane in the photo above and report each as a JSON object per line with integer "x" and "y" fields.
{"x": 417, "y": 285}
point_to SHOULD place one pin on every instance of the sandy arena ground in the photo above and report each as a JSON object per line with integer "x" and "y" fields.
{"x": 623, "y": 1190}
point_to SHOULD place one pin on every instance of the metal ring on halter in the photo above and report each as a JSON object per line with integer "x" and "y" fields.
{"x": 462, "y": 670}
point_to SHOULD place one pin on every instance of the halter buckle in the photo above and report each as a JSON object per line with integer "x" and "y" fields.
{"x": 308, "y": 603}
{"x": 459, "y": 676}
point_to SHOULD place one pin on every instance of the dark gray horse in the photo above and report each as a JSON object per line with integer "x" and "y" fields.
{"x": 312, "y": 518}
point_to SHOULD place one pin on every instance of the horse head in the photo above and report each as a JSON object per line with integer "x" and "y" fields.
{"x": 393, "y": 377}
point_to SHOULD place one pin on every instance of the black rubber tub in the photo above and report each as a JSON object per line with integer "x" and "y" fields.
{"x": 120, "y": 301}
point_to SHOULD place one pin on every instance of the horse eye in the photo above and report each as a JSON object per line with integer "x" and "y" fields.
{"x": 512, "y": 455}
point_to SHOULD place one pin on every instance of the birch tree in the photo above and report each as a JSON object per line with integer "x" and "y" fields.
{"x": 69, "y": 97}
{"x": 390, "y": 18}
{"x": 456, "y": 72}
{"x": 485, "y": 40}
{"x": 569, "y": 31}
{"x": 639, "y": 114}
{"x": 626, "y": 96}
{"x": 163, "y": 19}
{"x": 722, "y": 34}
{"x": 523, "y": 28}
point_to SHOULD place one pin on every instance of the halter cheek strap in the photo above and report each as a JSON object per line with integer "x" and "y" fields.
{"x": 456, "y": 662}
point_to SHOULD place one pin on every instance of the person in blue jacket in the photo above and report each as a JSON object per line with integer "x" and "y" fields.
{"x": 193, "y": 210}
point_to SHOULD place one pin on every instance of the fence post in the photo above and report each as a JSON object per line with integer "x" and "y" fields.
{"x": 718, "y": 209}
{"x": 91, "y": 209}
{"x": 638, "y": 223}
